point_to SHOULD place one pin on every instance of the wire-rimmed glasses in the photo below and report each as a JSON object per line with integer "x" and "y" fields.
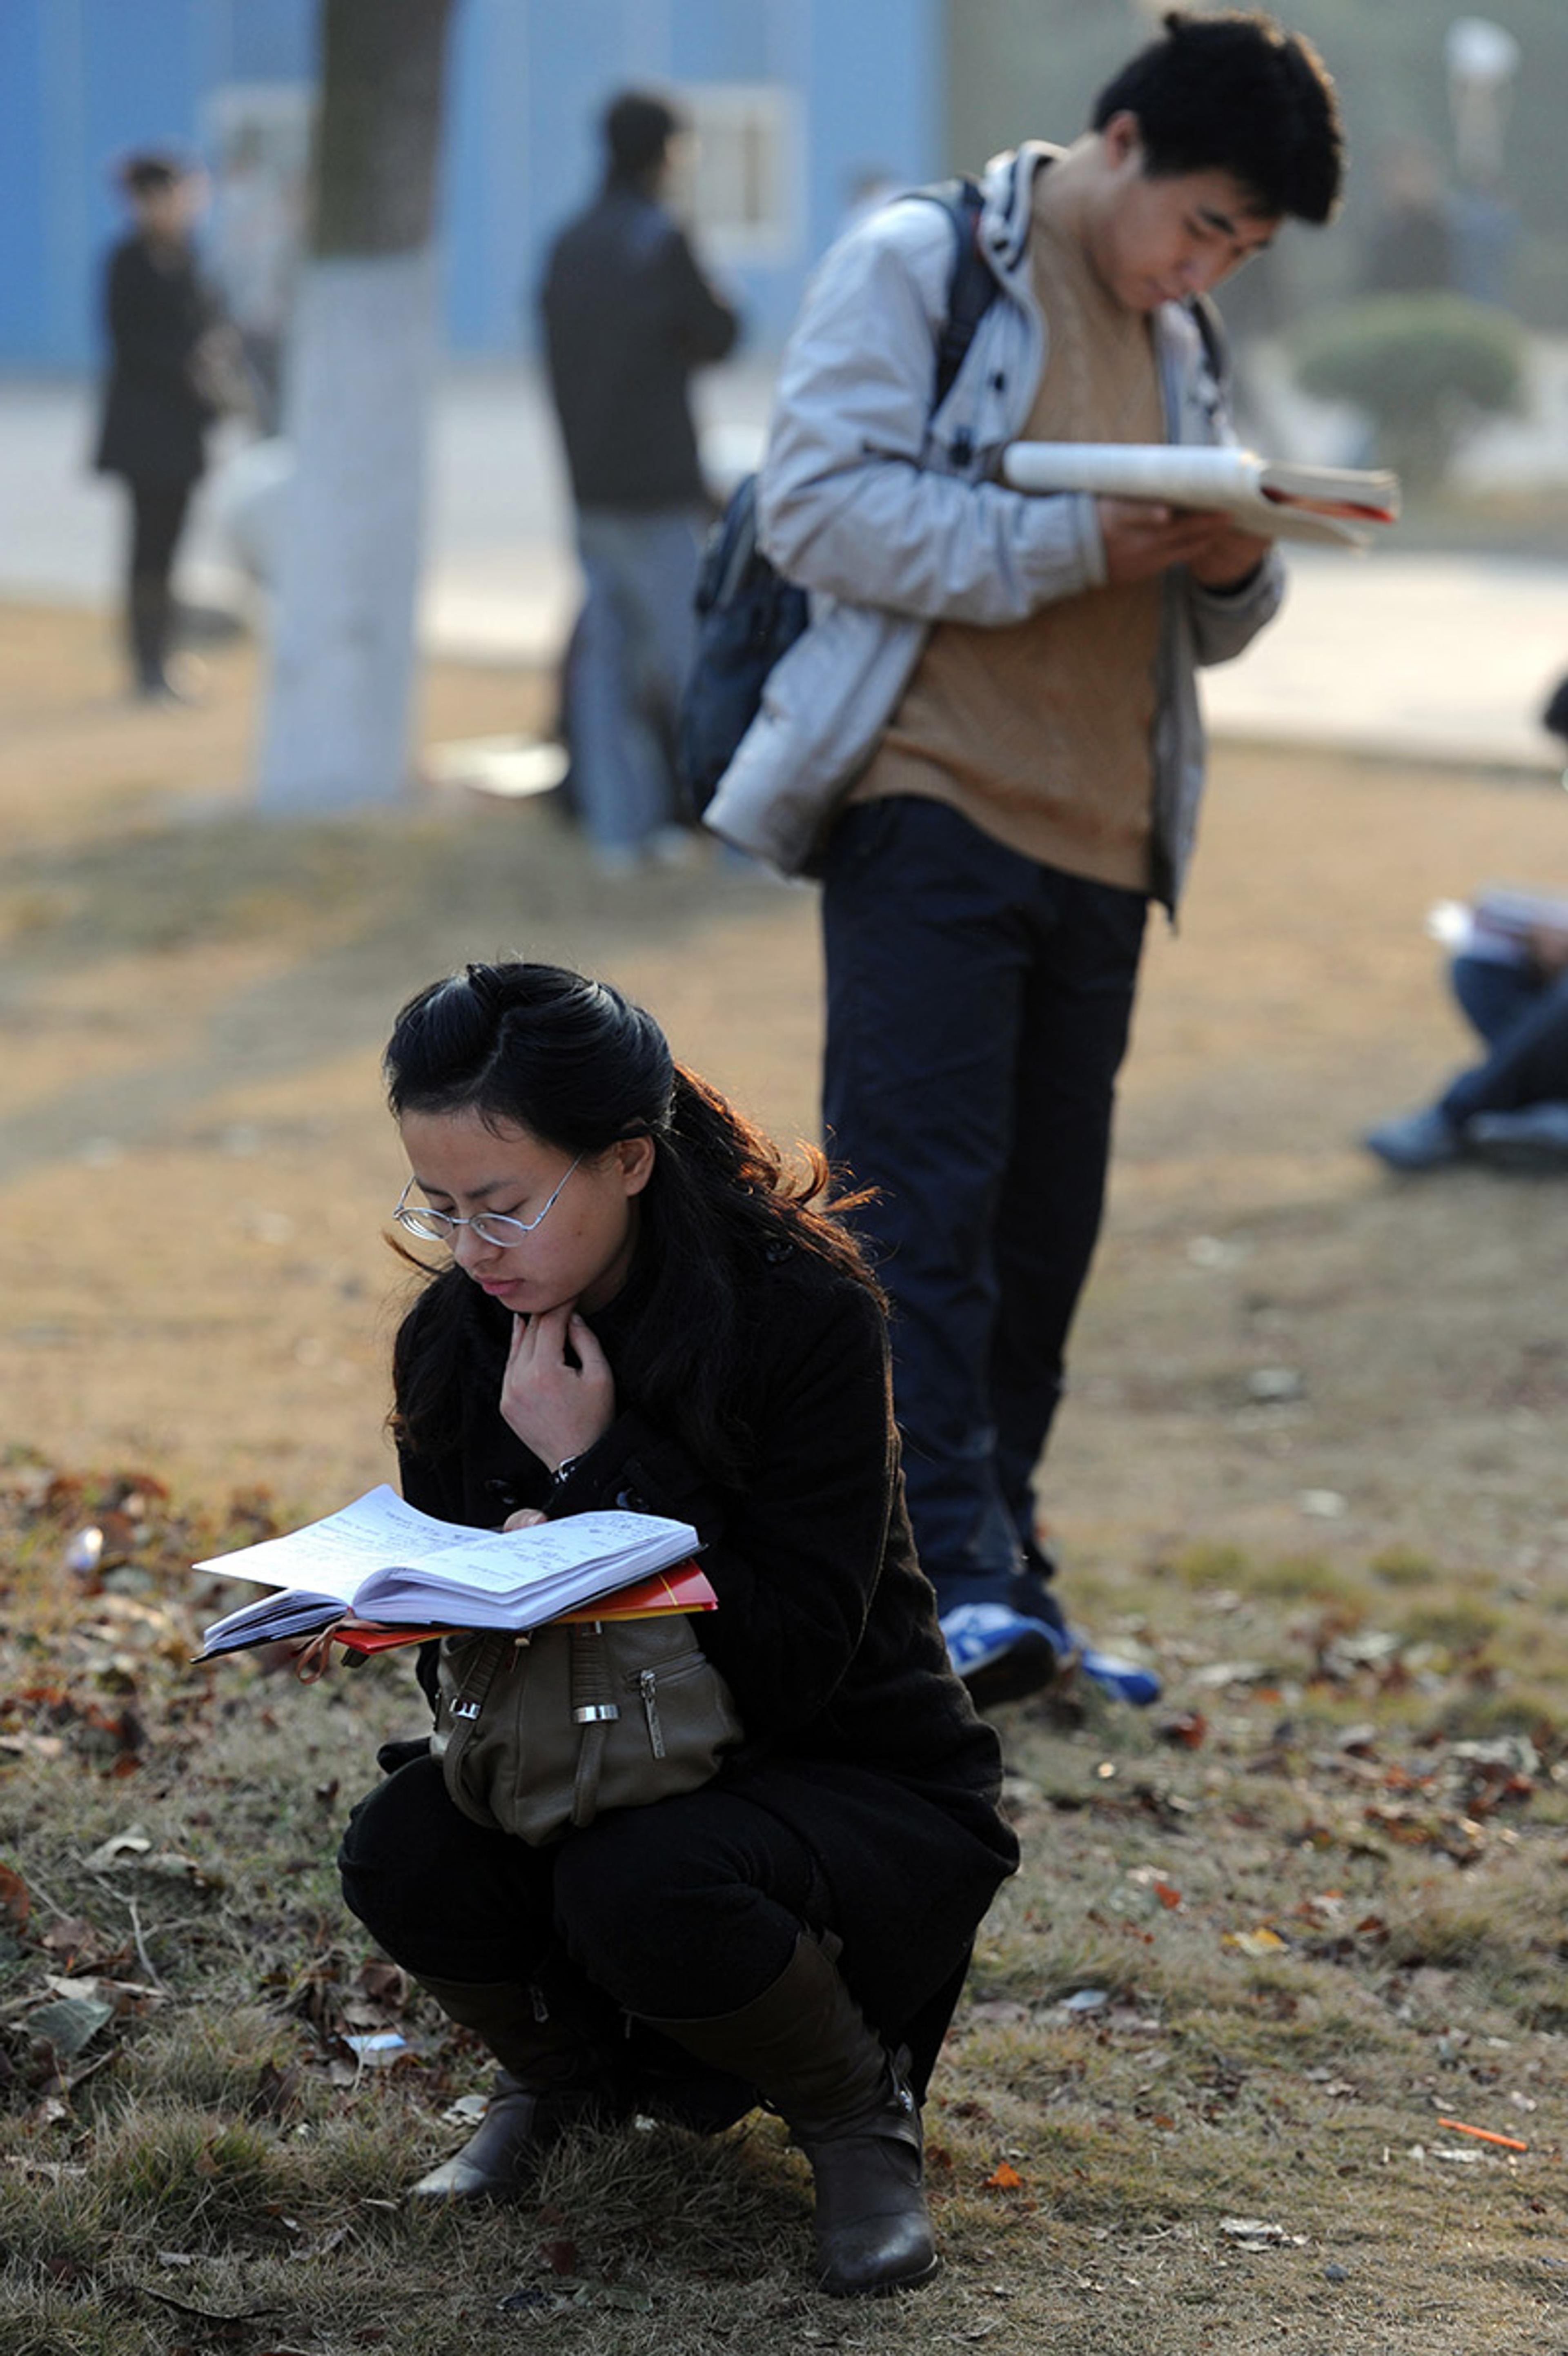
{"x": 495, "y": 1227}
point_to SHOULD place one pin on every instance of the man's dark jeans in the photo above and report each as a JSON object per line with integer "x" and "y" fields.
{"x": 1528, "y": 1041}
{"x": 978, "y": 1010}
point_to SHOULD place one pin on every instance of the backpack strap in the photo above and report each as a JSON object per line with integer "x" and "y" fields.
{"x": 1203, "y": 314}
{"x": 972, "y": 287}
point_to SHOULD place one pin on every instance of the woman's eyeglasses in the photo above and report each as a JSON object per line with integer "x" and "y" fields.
{"x": 491, "y": 1226}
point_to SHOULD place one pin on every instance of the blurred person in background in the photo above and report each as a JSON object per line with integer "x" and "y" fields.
{"x": 258, "y": 225}
{"x": 628, "y": 314}
{"x": 166, "y": 344}
{"x": 1512, "y": 1107}
{"x": 1508, "y": 973}
{"x": 1410, "y": 250}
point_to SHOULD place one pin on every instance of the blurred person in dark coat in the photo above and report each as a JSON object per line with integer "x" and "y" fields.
{"x": 628, "y": 314}
{"x": 165, "y": 339}
{"x": 1410, "y": 250}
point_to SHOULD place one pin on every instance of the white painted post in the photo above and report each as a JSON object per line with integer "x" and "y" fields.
{"x": 334, "y": 726}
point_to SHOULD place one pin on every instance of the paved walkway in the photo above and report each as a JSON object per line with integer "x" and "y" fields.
{"x": 1445, "y": 657}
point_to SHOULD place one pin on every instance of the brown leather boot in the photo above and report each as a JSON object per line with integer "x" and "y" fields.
{"x": 554, "y": 2076}
{"x": 805, "y": 2045}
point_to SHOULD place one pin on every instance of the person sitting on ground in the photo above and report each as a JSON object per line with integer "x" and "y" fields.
{"x": 1512, "y": 1107}
{"x": 643, "y": 1308}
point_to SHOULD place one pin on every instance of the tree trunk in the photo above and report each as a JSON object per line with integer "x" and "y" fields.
{"x": 336, "y": 727}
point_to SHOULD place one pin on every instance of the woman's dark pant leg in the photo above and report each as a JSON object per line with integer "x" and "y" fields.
{"x": 158, "y": 511}
{"x": 669, "y": 1909}
{"x": 690, "y": 1907}
{"x": 445, "y": 1898}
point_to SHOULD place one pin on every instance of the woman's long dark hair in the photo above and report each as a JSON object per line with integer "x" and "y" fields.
{"x": 579, "y": 1066}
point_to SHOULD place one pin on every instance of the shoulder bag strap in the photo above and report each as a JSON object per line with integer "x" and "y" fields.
{"x": 594, "y": 1709}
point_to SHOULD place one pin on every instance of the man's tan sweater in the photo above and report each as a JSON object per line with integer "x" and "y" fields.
{"x": 1039, "y": 733}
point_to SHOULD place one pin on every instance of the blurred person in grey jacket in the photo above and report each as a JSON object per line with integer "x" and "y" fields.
{"x": 988, "y": 740}
{"x": 628, "y": 314}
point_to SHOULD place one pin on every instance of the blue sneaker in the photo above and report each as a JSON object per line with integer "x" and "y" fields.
{"x": 1416, "y": 1141}
{"x": 1122, "y": 1680}
{"x": 1000, "y": 1655}
{"x": 1533, "y": 1138}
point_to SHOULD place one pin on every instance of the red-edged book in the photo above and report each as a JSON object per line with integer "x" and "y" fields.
{"x": 682, "y": 1588}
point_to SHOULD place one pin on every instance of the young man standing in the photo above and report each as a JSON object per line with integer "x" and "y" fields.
{"x": 628, "y": 314}
{"x": 1007, "y": 685}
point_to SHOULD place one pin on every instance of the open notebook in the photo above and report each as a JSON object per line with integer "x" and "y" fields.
{"x": 380, "y": 1559}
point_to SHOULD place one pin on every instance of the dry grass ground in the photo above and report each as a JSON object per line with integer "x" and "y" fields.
{"x": 1311, "y": 1908}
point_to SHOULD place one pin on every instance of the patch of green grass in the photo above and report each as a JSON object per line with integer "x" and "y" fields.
{"x": 1290, "y": 1579}
{"x": 1515, "y": 1706}
{"x": 1204, "y": 1564}
{"x": 232, "y": 2058}
{"x": 1403, "y": 1565}
{"x": 1039, "y": 1962}
{"x": 1457, "y": 1624}
{"x": 41, "y": 2316}
{"x": 185, "y": 2172}
{"x": 1495, "y": 1930}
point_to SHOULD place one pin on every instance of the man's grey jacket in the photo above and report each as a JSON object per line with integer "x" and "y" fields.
{"x": 889, "y": 516}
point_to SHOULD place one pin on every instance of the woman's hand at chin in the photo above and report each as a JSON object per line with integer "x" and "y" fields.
{"x": 558, "y": 1393}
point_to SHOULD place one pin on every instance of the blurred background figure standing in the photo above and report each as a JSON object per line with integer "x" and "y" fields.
{"x": 168, "y": 348}
{"x": 1483, "y": 61}
{"x": 1409, "y": 246}
{"x": 258, "y": 226}
{"x": 628, "y": 314}
{"x": 869, "y": 189}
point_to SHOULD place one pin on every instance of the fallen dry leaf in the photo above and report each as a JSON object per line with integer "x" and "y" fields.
{"x": 15, "y": 1902}
{"x": 1261, "y": 1941}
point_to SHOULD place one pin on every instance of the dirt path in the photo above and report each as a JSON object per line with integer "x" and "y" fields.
{"x": 194, "y": 1165}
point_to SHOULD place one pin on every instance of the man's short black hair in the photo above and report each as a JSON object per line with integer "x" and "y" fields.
{"x": 1235, "y": 93}
{"x": 638, "y": 128}
{"x": 151, "y": 170}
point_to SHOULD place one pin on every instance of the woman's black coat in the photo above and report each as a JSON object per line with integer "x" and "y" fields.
{"x": 155, "y": 418}
{"x": 858, "y": 1733}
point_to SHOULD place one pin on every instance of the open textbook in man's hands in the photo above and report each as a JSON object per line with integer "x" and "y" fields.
{"x": 382, "y": 1560}
{"x": 1339, "y": 506}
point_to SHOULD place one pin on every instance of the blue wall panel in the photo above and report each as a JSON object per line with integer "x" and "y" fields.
{"x": 84, "y": 81}
{"x": 275, "y": 42}
{"x": 721, "y": 41}
{"x": 138, "y": 87}
{"x": 875, "y": 102}
{"x": 24, "y": 300}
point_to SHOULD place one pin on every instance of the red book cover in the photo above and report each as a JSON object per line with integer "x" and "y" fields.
{"x": 682, "y": 1588}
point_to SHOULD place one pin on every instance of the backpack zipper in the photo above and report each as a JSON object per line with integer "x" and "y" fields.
{"x": 647, "y": 1685}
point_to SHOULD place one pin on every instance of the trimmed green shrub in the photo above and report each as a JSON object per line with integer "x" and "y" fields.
{"x": 1423, "y": 369}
